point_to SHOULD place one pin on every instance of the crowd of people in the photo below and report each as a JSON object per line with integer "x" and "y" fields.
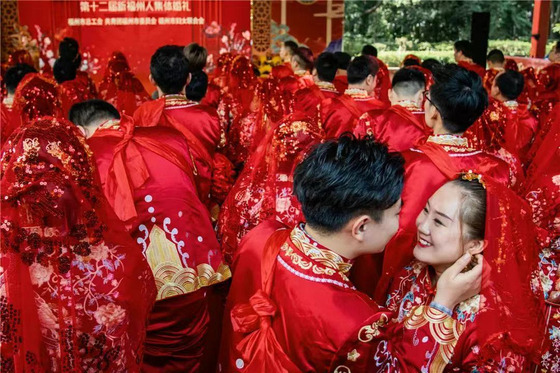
{"x": 332, "y": 216}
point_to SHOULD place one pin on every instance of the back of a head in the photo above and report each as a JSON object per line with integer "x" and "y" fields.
{"x": 496, "y": 56}
{"x": 170, "y": 69}
{"x": 430, "y": 64}
{"x": 68, "y": 49}
{"x": 15, "y": 74}
{"x": 343, "y": 60}
{"x": 369, "y": 50}
{"x": 196, "y": 90}
{"x": 407, "y": 82}
{"x": 326, "y": 66}
{"x": 291, "y": 46}
{"x": 37, "y": 96}
{"x": 511, "y": 84}
{"x": 196, "y": 55}
{"x": 459, "y": 96}
{"x": 464, "y": 46}
{"x": 411, "y": 62}
{"x": 304, "y": 57}
{"x": 343, "y": 178}
{"x": 92, "y": 112}
{"x": 64, "y": 70}
{"x": 360, "y": 67}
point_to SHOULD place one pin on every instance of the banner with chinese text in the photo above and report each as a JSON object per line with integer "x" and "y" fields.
{"x": 137, "y": 28}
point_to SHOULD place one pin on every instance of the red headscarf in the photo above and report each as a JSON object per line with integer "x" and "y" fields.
{"x": 78, "y": 289}
{"x": 511, "y": 316}
{"x": 37, "y": 96}
{"x": 264, "y": 188}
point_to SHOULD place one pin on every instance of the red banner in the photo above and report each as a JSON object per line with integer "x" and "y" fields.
{"x": 137, "y": 28}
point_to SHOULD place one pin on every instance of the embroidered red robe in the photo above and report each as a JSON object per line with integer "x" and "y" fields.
{"x": 473, "y": 67}
{"x": 198, "y": 123}
{"x": 308, "y": 100}
{"x": 399, "y": 127}
{"x": 146, "y": 174}
{"x": 340, "y": 114}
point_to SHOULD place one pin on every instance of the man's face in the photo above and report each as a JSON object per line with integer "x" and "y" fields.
{"x": 283, "y": 52}
{"x": 495, "y": 91}
{"x": 554, "y": 55}
{"x": 457, "y": 55}
{"x": 378, "y": 234}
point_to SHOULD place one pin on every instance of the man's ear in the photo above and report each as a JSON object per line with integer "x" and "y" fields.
{"x": 152, "y": 81}
{"x": 359, "y": 226}
{"x": 188, "y": 79}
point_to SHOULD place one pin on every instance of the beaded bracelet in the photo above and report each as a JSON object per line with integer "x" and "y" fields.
{"x": 441, "y": 308}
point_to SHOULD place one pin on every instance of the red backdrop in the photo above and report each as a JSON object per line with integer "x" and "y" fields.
{"x": 102, "y": 27}
{"x": 307, "y": 20}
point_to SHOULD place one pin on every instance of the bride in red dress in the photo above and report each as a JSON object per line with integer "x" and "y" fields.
{"x": 264, "y": 187}
{"x": 74, "y": 289}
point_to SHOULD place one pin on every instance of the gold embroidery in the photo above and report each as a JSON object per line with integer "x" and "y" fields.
{"x": 353, "y": 355}
{"x": 443, "y": 328}
{"x": 368, "y": 332}
{"x": 31, "y": 146}
{"x": 53, "y": 148}
{"x": 326, "y": 257}
{"x": 357, "y": 93}
{"x": 451, "y": 140}
{"x": 177, "y": 100}
{"x": 171, "y": 277}
{"x": 326, "y": 86}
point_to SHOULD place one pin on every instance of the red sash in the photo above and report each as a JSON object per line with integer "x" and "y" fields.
{"x": 351, "y": 105}
{"x": 260, "y": 348}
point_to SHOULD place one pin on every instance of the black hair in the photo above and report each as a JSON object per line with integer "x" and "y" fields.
{"x": 341, "y": 179}
{"x": 291, "y": 45}
{"x": 360, "y": 67}
{"x": 496, "y": 56}
{"x": 369, "y": 50}
{"x": 343, "y": 59}
{"x": 64, "y": 70}
{"x": 170, "y": 69}
{"x": 407, "y": 82}
{"x": 430, "y": 64}
{"x": 86, "y": 113}
{"x": 15, "y": 74}
{"x": 69, "y": 49}
{"x": 464, "y": 46}
{"x": 459, "y": 96}
{"x": 411, "y": 62}
{"x": 510, "y": 83}
{"x": 326, "y": 66}
{"x": 196, "y": 89}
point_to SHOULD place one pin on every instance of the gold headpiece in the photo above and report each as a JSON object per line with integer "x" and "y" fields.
{"x": 470, "y": 176}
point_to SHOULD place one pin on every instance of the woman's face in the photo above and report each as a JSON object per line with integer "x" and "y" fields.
{"x": 440, "y": 241}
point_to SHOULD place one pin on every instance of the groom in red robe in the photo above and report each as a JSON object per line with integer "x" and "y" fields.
{"x": 449, "y": 115}
{"x": 303, "y": 309}
{"x": 308, "y": 100}
{"x": 147, "y": 177}
{"x": 340, "y": 114}
{"x": 198, "y": 123}
{"x": 402, "y": 125}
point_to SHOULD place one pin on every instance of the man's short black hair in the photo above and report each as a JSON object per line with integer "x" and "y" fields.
{"x": 360, "y": 67}
{"x": 196, "y": 90}
{"x": 91, "y": 111}
{"x": 64, "y": 70}
{"x": 326, "y": 66}
{"x": 15, "y": 74}
{"x": 464, "y": 46}
{"x": 510, "y": 83}
{"x": 69, "y": 49}
{"x": 170, "y": 69}
{"x": 341, "y": 179}
{"x": 459, "y": 96}
{"x": 496, "y": 56}
{"x": 343, "y": 59}
{"x": 407, "y": 82}
{"x": 431, "y": 64}
{"x": 369, "y": 50}
{"x": 411, "y": 62}
{"x": 292, "y": 46}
